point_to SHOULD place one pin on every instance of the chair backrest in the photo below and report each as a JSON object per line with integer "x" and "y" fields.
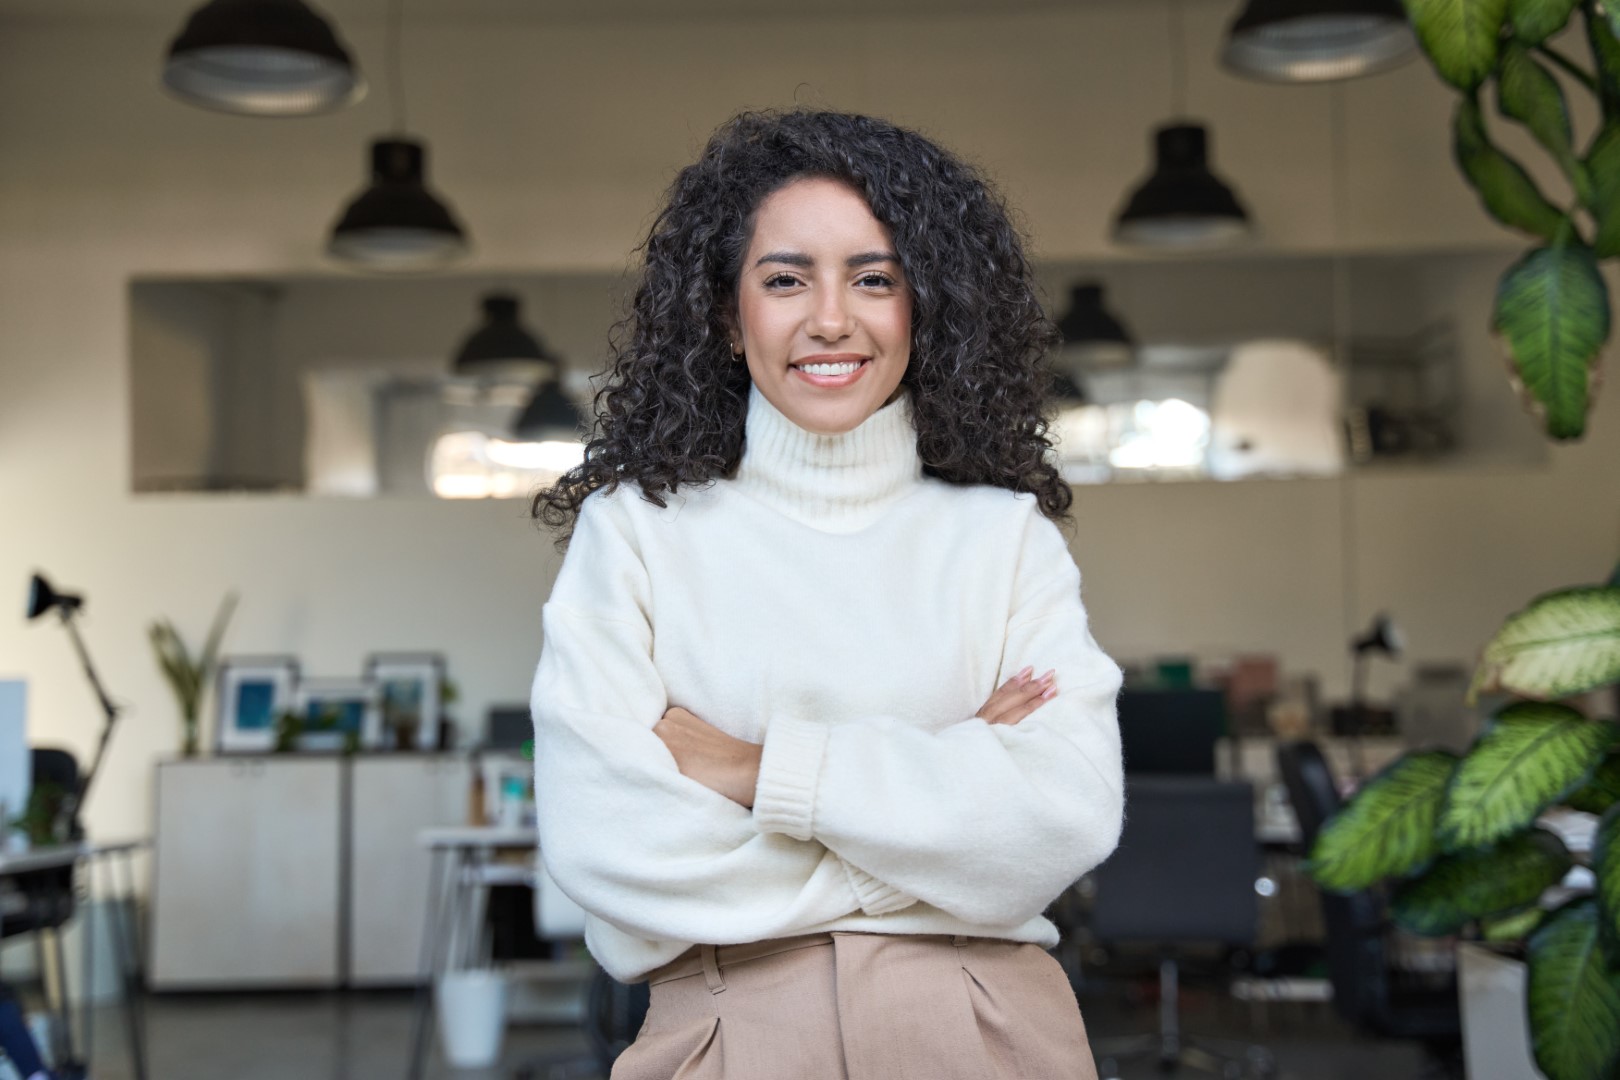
{"x": 1186, "y": 865}
{"x": 1354, "y": 923}
{"x": 556, "y": 916}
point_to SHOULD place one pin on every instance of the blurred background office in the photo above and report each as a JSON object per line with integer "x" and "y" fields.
{"x": 278, "y": 369}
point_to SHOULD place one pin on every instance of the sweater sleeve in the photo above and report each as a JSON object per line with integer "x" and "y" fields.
{"x": 622, "y": 831}
{"x": 987, "y": 822}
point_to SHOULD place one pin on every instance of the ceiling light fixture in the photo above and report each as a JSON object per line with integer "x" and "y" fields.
{"x": 1182, "y": 205}
{"x": 261, "y": 58}
{"x": 397, "y": 223}
{"x": 1318, "y": 40}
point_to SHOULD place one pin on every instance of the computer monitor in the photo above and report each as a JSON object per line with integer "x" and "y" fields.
{"x": 1171, "y": 731}
{"x": 16, "y": 763}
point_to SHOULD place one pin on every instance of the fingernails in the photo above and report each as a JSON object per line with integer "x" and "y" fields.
{"x": 1046, "y": 694}
{"x": 1049, "y": 676}
{"x": 1023, "y": 676}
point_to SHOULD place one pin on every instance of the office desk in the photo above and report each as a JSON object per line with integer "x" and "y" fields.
{"x": 115, "y": 862}
{"x": 463, "y": 868}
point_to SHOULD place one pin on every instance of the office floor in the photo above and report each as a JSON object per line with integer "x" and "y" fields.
{"x": 366, "y": 1036}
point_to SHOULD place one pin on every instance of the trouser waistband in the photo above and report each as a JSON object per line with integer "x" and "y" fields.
{"x": 709, "y": 959}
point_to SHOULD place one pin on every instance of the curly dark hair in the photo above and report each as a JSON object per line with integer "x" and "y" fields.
{"x": 671, "y": 406}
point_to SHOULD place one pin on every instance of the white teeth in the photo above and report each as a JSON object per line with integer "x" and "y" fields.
{"x": 830, "y": 369}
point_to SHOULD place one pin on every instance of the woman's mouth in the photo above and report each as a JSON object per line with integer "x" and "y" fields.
{"x": 832, "y": 374}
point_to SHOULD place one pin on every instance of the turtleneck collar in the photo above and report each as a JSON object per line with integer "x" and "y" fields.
{"x": 836, "y": 483}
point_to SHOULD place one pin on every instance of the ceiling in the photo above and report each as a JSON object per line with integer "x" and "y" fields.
{"x": 536, "y": 10}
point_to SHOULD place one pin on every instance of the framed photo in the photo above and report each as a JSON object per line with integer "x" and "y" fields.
{"x": 408, "y": 695}
{"x": 334, "y": 711}
{"x": 251, "y": 694}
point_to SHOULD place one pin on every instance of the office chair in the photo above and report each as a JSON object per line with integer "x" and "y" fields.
{"x": 41, "y": 902}
{"x": 1367, "y": 990}
{"x": 613, "y": 1011}
{"x": 1184, "y": 873}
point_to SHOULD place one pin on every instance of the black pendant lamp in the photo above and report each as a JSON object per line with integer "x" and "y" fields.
{"x": 548, "y": 417}
{"x": 1093, "y": 338}
{"x": 397, "y": 223}
{"x": 501, "y": 345}
{"x": 1182, "y": 205}
{"x": 261, "y": 58}
{"x": 1318, "y": 40}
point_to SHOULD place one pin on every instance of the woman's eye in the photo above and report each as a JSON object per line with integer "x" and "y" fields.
{"x": 781, "y": 281}
{"x": 876, "y": 281}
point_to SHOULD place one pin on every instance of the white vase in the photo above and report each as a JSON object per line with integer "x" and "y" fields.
{"x": 472, "y": 1016}
{"x": 1495, "y": 1022}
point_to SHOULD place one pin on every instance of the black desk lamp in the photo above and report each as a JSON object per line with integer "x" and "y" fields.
{"x": 1383, "y": 637}
{"x": 41, "y": 599}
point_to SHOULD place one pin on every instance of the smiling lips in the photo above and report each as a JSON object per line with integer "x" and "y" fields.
{"x": 831, "y": 370}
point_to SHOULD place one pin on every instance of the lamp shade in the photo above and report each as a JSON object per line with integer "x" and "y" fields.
{"x": 548, "y": 417}
{"x": 1384, "y": 636}
{"x": 397, "y": 223}
{"x": 501, "y": 345}
{"x": 1182, "y": 205}
{"x": 1317, "y": 40}
{"x": 42, "y": 598}
{"x": 261, "y": 58}
{"x": 1092, "y": 336}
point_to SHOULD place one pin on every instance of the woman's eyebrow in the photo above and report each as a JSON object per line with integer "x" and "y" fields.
{"x": 804, "y": 262}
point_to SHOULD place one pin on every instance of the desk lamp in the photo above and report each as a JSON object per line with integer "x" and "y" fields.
{"x": 1383, "y": 637}
{"x": 41, "y": 599}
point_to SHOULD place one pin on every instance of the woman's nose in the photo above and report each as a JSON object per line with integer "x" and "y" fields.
{"x": 830, "y": 318}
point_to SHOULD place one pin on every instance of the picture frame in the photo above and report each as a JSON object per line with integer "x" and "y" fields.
{"x": 251, "y": 693}
{"x": 409, "y": 700}
{"x": 352, "y": 704}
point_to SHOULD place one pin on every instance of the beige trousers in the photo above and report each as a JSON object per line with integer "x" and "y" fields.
{"x": 848, "y": 1006}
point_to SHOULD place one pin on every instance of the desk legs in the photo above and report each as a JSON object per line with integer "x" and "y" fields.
{"x": 127, "y": 952}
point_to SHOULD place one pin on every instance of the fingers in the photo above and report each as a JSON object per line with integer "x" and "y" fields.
{"x": 1019, "y": 696}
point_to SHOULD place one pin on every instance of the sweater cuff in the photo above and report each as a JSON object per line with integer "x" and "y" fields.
{"x": 876, "y": 898}
{"x": 789, "y": 773}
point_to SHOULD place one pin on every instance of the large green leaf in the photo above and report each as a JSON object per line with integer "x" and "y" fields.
{"x": 1387, "y": 828}
{"x": 1508, "y": 192}
{"x": 1604, "y": 39}
{"x": 1606, "y": 872}
{"x": 1528, "y": 93}
{"x": 1601, "y": 790}
{"x": 1603, "y": 166}
{"x": 1573, "y": 997}
{"x": 1457, "y": 889}
{"x": 1460, "y": 37}
{"x": 1534, "y": 21}
{"x": 1565, "y": 643}
{"x": 1514, "y": 926}
{"x": 1552, "y": 309}
{"x": 1529, "y": 756}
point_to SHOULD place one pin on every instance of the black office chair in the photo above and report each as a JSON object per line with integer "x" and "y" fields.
{"x": 1368, "y": 991}
{"x": 1184, "y": 874}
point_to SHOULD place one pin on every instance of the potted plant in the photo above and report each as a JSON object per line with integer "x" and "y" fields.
{"x": 189, "y": 676}
{"x": 1459, "y": 838}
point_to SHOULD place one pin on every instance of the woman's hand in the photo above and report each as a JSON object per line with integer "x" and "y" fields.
{"x": 710, "y": 756}
{"x": 1019, "y": 696}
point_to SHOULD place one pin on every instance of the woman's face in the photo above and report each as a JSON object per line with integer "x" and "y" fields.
{"x": 824, "y": 313}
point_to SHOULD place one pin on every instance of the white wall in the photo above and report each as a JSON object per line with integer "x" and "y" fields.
{"x": 553, "y": 142}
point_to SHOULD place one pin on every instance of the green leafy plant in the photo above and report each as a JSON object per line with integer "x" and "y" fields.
{"x": 1458, "y": 837}
{"x": 1552, "y": 307}
{"x": 187, "y": 675}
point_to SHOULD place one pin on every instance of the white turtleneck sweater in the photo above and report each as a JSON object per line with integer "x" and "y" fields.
{"x": 851, "y": 614}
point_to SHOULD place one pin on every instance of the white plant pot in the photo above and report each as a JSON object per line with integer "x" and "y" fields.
{"x": 1495, "y": 1023}
{"x": 472, "y": 1016}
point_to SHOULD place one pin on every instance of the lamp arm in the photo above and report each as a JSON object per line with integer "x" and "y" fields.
{"x": 111, "y": 710}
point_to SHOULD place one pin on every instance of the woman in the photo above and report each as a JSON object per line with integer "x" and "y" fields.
{"x": 813, "y": 534}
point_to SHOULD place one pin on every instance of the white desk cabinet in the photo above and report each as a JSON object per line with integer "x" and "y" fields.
{"x": 247, "y": 873}
{"x": 393, "y": 798}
